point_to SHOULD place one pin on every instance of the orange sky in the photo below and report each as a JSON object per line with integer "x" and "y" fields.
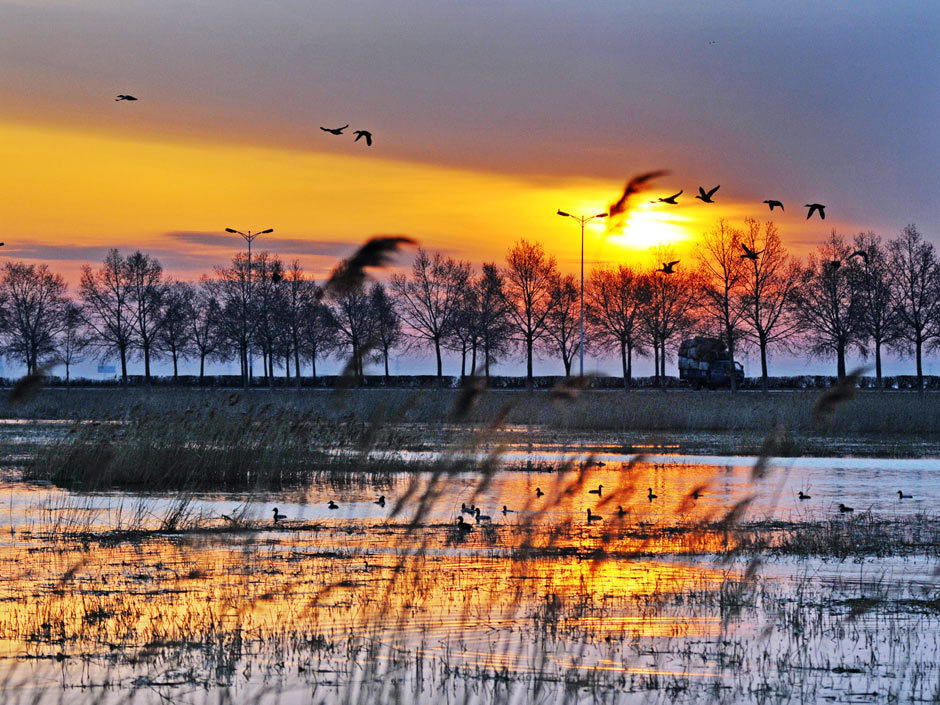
{"x": 74, "y": 193}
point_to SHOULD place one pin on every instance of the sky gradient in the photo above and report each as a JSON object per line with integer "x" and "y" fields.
{"x": 487, "y": 118}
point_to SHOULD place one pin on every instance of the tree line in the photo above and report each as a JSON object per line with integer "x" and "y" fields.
{"x": 863, "y": 295}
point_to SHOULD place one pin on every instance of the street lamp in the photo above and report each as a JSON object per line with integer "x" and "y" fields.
{"x": 582, "y": 220}
{"x": 249, "y": 237}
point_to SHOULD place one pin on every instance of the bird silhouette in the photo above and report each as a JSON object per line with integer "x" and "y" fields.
{"x": 632, "y": 187}
{"x": 278, "y": 516}
{"x": 651, "y": 496}
{"x": 124, "y": 96}
{"x": 482, "y": 517}
{"x": 363, "y": 133}
{"x": 463, "y": 526}
{"x": 599, "y": 491}
{"x": 380, "y": 501}
{"x": 803, "y": 496}
{"x": 844, "y": 509}
{"x": 335, "y": 130}
{"x": 333, "y": 505}
{"x": 859, "y": 253}
{"x": 620, "y": 511}
{"x": 749, "y": 253}
{"x": 667, "y": 267}
{"x": 670, "y": 199}
{"x": 901, "y": 495}
{"x": 706, "y": 196}
{"x": 506, "y": 510}
{"x": 592, "y": 517}
{"x": 814, "y": 207}
{"x": 774, "y": 204}
{"x": 538, "y": 492}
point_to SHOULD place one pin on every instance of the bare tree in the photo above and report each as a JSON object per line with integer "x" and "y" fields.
{"x": 563, "y": 324}
{"x": 491, "y": 314}
{"x": 73, "y": 337}
{"x": 230, "y": 289}
{"x": 529, "y": 274}
{"x": 205, "y": 317}
{"x": 296, "y": 296}
{"x": 917, "y": 276}
{"x": 768, "y": 283}
{"x": 429, "y": 299}
{"x": 828, "y": 302}
{"x": 721, "y": 281}
{"x": 669, "y": 310}
{"x": 145, "y": 279}
{"x": 353, "y": 316}
{"x": 387, "y": 324}
{"x": 175, "y": 335}
{"x": 875, "y": 283}
{"x": 319, "y": 329}
{"x": 33, "y": 300}
{"x": 106, "y": 294}
{"x": 614, "y": 301}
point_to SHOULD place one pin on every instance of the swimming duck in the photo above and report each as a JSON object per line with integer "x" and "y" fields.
{"x": 651, "y": 496}
{"x": 482, "y": 517}
{"x": 380, "y": 501}
{"x": 463, "y": 526}
{"x": 538, "y": 492}
{"x": 844, "y": 509}
{"x": 506, "y": 510}
{"x": 278, "y": 516}
{"x": 592, "y": 517}
{"x": 599, "y": 491}
{"x": 803, "y": 496}
{"x": 901, "y": 495}
{"x": 333, "y": 505}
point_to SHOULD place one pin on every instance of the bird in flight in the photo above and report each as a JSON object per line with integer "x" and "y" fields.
{"x": 335, "y": 130}
{"x": 816, "y": 207}
{"x": 124, "y": 96}
{"x": 857, "y": 253}
{"x": 749, "y": 253}
{"x": 706, "y": 196}
{"x": 772, "y": 203}
{"x": 670, "y": 199}
{"x": 363, "y": 133}
{"x": 667, "y": 267}
{"x": 632, "y": 187}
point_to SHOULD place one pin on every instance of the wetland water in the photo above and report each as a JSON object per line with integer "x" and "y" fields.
{"x": 128, "y": 597}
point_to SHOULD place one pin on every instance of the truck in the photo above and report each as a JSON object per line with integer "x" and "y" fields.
{"x": 705, "y": 362}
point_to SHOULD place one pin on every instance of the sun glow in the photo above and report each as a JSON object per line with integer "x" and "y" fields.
{"x": 649, "y": 225}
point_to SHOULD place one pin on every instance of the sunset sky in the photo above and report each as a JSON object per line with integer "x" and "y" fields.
{"x": 487, "y": 118}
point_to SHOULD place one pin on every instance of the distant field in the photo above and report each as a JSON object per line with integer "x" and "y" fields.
{"x": 870, "y": 414}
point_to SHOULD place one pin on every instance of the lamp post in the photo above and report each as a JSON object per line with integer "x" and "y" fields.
{"x": 249, "y": 237}
{"x": 584, "y": 219}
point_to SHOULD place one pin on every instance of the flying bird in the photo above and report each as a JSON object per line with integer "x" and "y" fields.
{"x": 857, "y": 253}
{"x": 335, "y": 130}
{"x": 670, "y": 199}
{"x": 749, "y": 253}
{"x": 377, "y": 252}
{"x": 363, "y": 133}
{"x": 667, "y": 267}
{"x": 774, "y": 204}
{"x": 124, "y": 96}
{"x": 706, "y": 196}
{"x": 632, "y": 187}
{"x": 813, "y": 207}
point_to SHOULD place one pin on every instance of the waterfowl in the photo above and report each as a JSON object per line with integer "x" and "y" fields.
{"x": 464, "y": 509}
{"x": 333, "y": 505}
{"x": 696, "y": 493}
{"x": 901, "y": 495}
{"x": 592, "y": 517}
{"x": 482, "y": 517}
{"x": 803, "y": 495}
{"x": 844, "y": 509}
{"x": 380, "y": 501}
{"x": 506, "y": 510}
{"x": 538, "y": 492}
{"x": 774, "y": 203}
{"x": 650, "y": 495}
{"x": 599, "y": 491}
{"x": 278, "y": 516}
{"x": 706, "y": 196}
{"x": 227, "y": 517}
{"x": 667, "y": 267}
{"x": 816, "y": 208}
{"x": 620, "y": 511}
{"x": 463, "y": 526}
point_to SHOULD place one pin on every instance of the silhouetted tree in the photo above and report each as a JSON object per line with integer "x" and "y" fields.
{"x": 563, "y": 324}
{"x": 917, "y": 276}
{"x": 174, "y": 336}
{"x": 32, "y": 301}
{"x": 145, "y": 279}
{"x": 491, "y": 314}
{"x": 428, "y": 300}
{"x": 721, "y": 277}
{"x": 528, "y": 278}
{"x": 72, "y": 339}
{"x": 205, "y": 316}
{"x": 768, "y": 283}
{"x": 319, "y": 329}
{"x": 107, "y": 298}
{"x": 352, "y": 314}
{"x": 296, "y": 292}
{"x": 828, "y": 302}
{"x": 386, "y": 323}
{"x": 230, "y": 288}
{"x": 669, "y": 310}
{"x": 614, "y": 300}
{"x": 875, "y": 283}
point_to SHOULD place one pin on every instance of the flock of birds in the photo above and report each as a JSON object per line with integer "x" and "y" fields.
{"x": 708, "y": 197}
{"x": 476, "y": 513}
{"x": 360, "y": 134}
